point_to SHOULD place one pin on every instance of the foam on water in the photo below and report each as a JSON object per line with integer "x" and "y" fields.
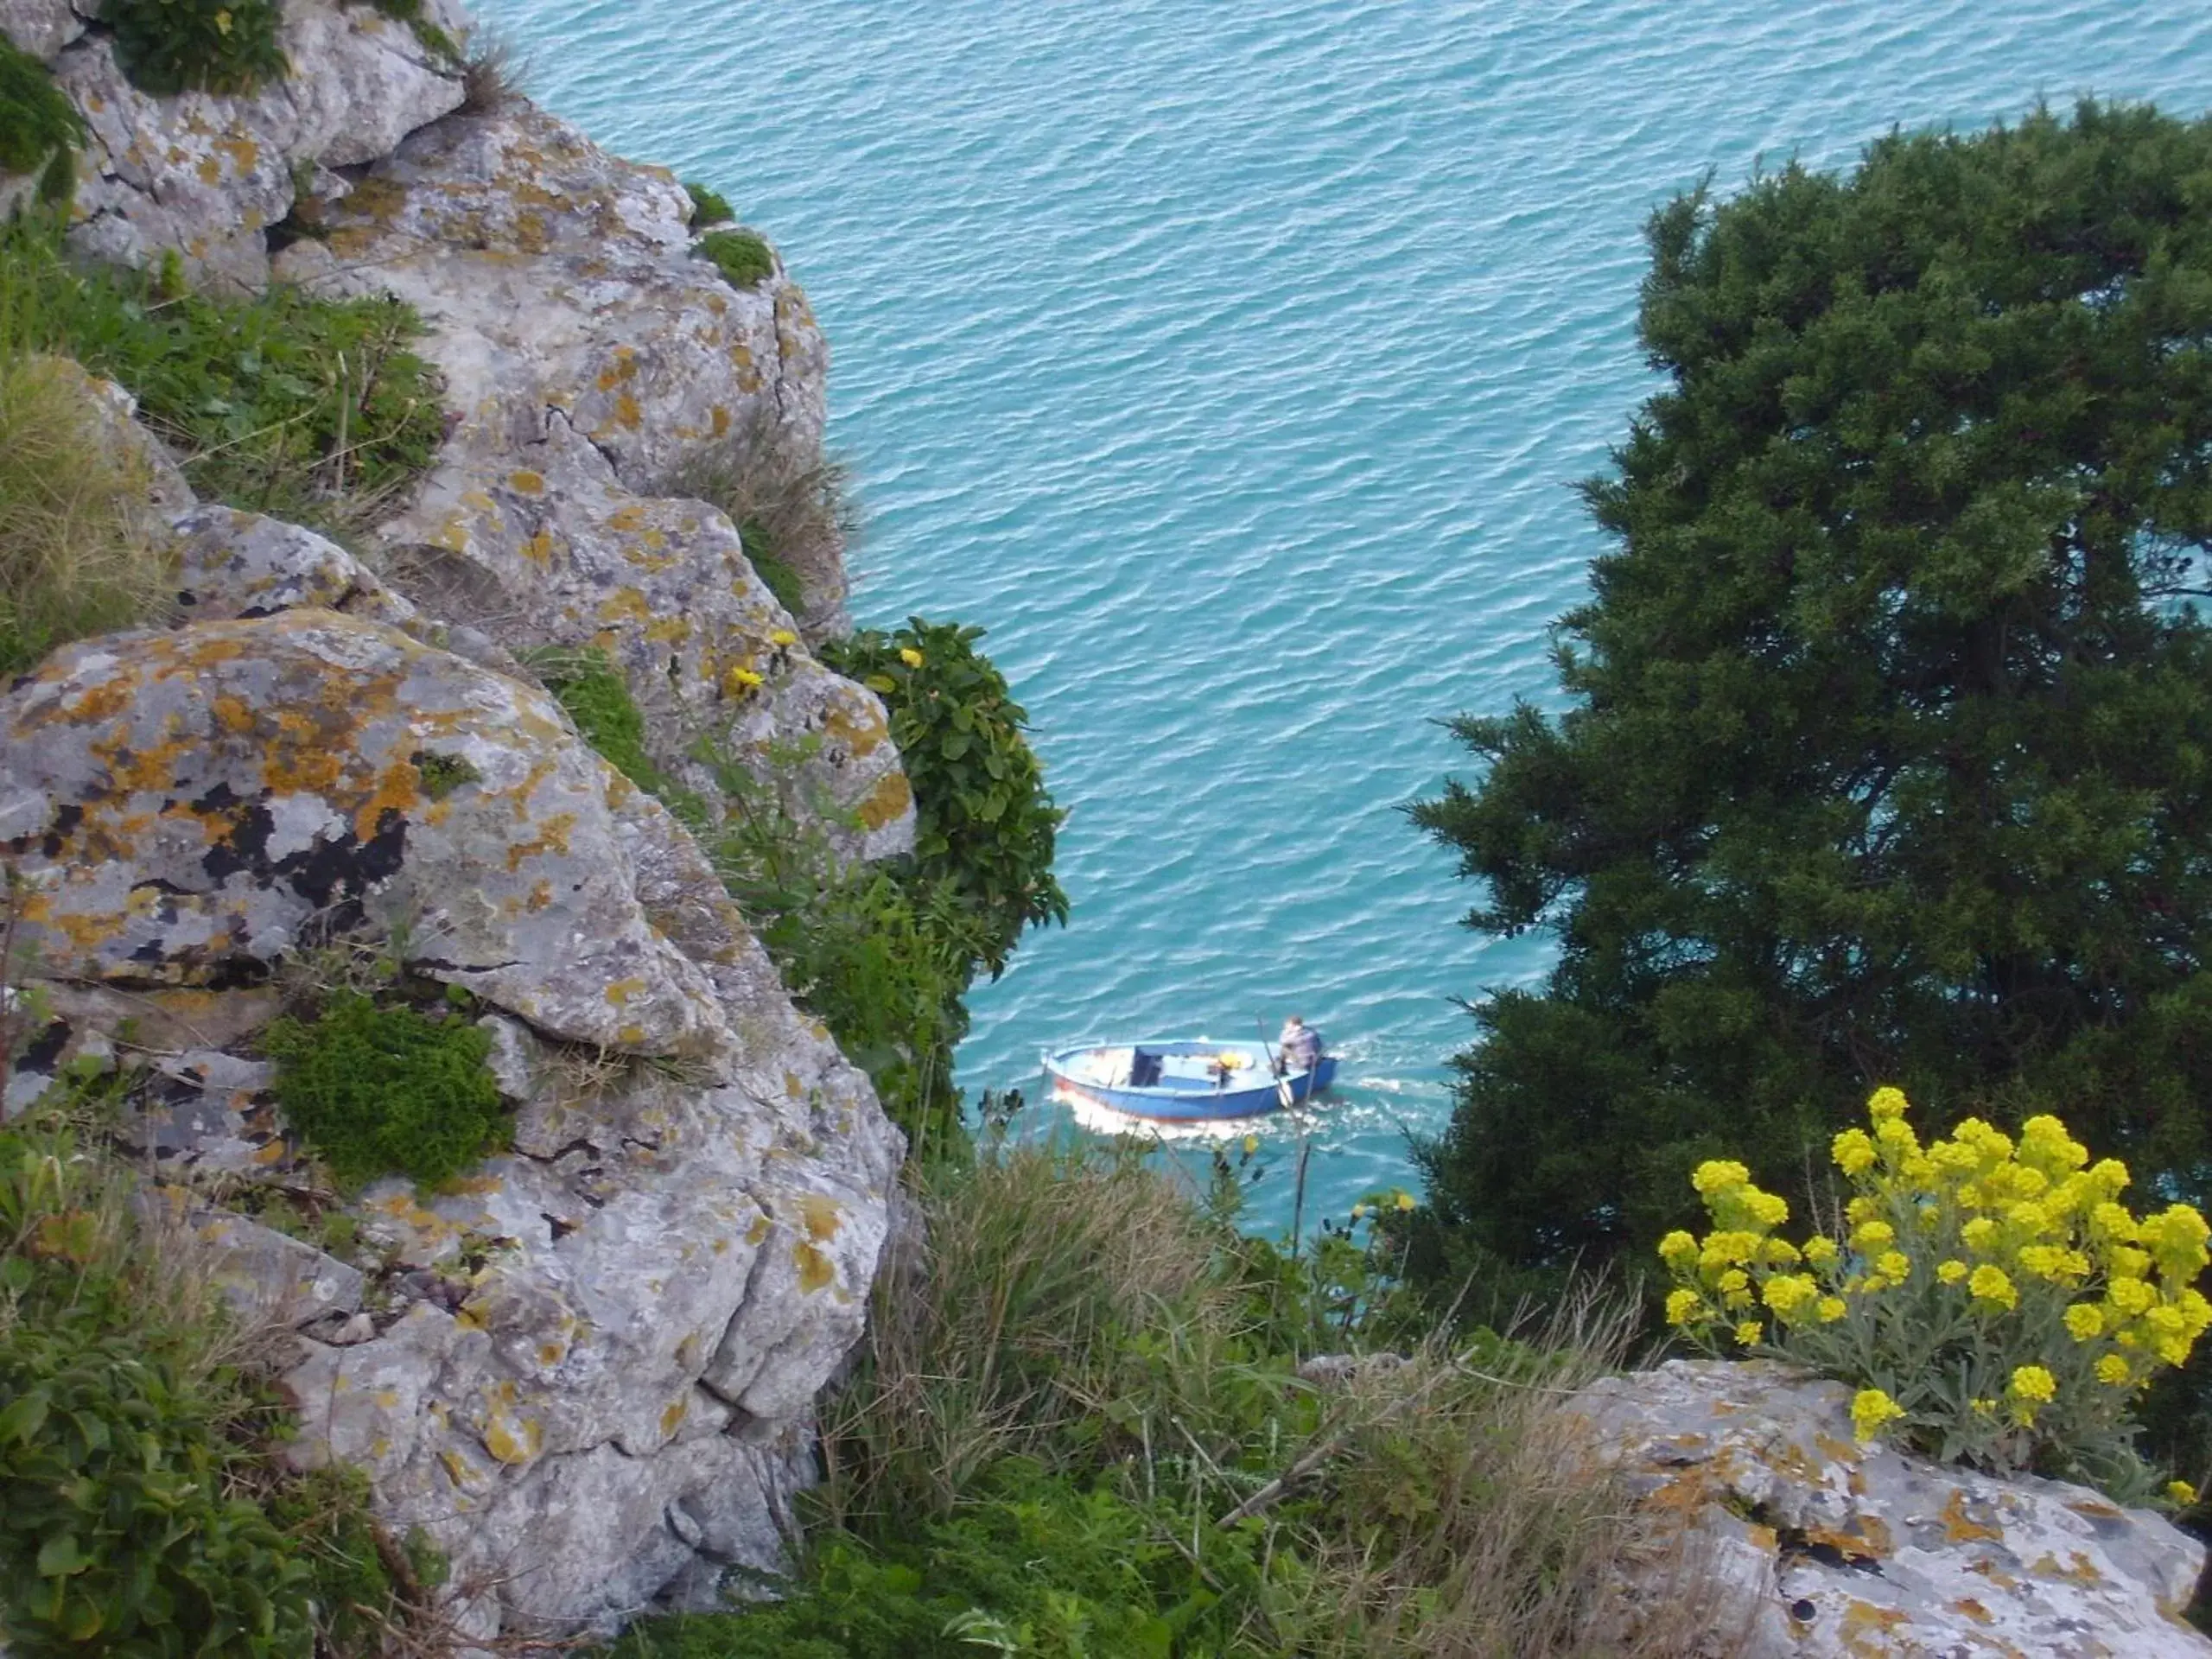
{"x": 1233, "y": 364}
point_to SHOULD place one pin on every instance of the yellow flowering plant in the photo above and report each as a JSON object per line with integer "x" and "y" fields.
{"x": 1991, "y": 1298}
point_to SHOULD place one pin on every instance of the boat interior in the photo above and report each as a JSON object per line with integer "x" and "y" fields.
{"x": 1181, "y": 1066}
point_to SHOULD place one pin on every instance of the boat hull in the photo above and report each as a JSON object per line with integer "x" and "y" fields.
{"x": 1189, "y": 1088}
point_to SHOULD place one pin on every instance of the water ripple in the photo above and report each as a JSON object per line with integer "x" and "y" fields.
{"x": 1232, "y": 366}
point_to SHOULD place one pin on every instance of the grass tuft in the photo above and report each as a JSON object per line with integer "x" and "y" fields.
{"x": 35, "y": 119}
{"x": 494, "y": 76}
{"x": 791, "y": 508}
{"x": 79, "y": 554}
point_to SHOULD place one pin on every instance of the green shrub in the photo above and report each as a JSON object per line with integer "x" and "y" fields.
{"x": 985, "y": 821}
{"x": 741, "y": 256}
{"x": 882, "y": 958}
{"x": 144, "y": 1508}
{"x": 209, "y": 46}
{"x": 381, "y": 1090}
{"x": 707, "y": 208}
{"x": 35, "y": 119}
{"x": 434, "y": 39}
{"x": 310, "y": 409}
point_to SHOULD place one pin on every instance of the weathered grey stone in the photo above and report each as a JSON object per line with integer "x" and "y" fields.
{"x": 183, "y": 806}
{"x": 267, "y": 1277}
{"x": 40, "y": 27}
{"x": 206, "y": 175}
{"x": 1838, "y": 1550}
{"x": 590, "y": 354}
{"x": 232, "y": 564}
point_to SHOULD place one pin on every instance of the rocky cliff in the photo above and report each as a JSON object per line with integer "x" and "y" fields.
{"x": 585, "y": 1369}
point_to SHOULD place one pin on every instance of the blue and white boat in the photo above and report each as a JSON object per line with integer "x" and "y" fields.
{"x": 1183, "y": 1080}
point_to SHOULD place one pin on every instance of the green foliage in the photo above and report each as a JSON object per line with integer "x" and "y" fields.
{"x": 776, "y": 573}
{"x": 587, "y": 684}
{"x": 1884, "y": 755}
{"x": 1078, "y": 1429}
{"x": 35, "y": 119}
{"x": 442, "y": 774}
{"x": 708, "y": 206}
{"x": 209, "y": 46}
{"x": 144, "y": 1509}
{"x": 882, "y": 957}
{"x": 379, "y": 1091}
{"x": 985, "y": 821}
{"x": 1039, "y": 1565}
{"x": 741, "y": 256}
{"x": 306, "y": 409}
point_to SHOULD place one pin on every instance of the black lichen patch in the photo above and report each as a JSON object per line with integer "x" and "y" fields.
{"x": 333, "y": 870}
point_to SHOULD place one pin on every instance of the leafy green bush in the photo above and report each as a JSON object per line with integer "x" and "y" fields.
{"x": 1995, "y": 1302}
{"x": 37, "y": 123}
{"x": 882, "y": 957}
{"x": 984, "y": 820}
{"x": 708, "y": 206}
{"x": 379, "y": 1091}
{"x": 741, "y": 256}
{"x": 144, "y": 1508}
{"x": 209, "y": 46}
{"x": 310, "y": 409}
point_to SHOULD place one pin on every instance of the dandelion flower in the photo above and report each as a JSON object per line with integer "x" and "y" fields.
{"x": 909, "y": 656}
{"x": 782, "y": 638}
{"x": 2181, "y": 1492}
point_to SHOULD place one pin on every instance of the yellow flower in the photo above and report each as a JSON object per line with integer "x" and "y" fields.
{"x": 2113, "y": 1369}
{"x": 2181, "y": 1492}
{"x": 2177, "y": 1239}
{"x": 2045, "y": 1261}
{"x": 1872, "y": 1285}
{"x": 1787, "y": 1294}
{"x": 1829, "y": 1309}
{"x": 1870, "y": 1409}
{"x": 2110, "y": 1222}
{"x": 1406, "y": 1201}
{"x": 1683, "y": 1306}
{"x": 2045, "y": 1144}
{"x": 1874, "y": 1235}
{"x": 1893, "y": 1264}
{"x": 1979, "y": 1234}
{"x": 783, "y": 637}
{"x": 1749, "y": 1332}
{"x": 2031, "y": 1390}
{"x": 1853, "y": 1152}
{"x": 1719, "y": 1175}
{"x": 1251, "y": 1145}
{"x": 1821, "y": 1250}
{"x": 1950, "y": 1272}
{"x": 1886, "y": 1103}
{"x": 1779, "y": 1252}
{"x": 737, "y": 682}
{"x": 2035, "y": 1382}
{"x": 909, "y": 656}
{"x": 1678, "y": 1250}
{"x": 1767, "y": 1208}
{"x": 1734, "y": 1278}
{"x": 1989, "y": 1284}
{"x": 2130, "y": 1296}
{"x": 2085, "y": 1321}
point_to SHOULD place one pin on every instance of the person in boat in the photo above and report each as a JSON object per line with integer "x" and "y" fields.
{"x": 1299, "y": 1048}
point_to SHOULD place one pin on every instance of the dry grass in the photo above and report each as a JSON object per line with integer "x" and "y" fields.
{"x": 1463, "y": 1518}
{"x": 494, "y": 76}
{"x": 78, "y": 553}
{"x": 790, "y": 509}
{"x": 1010, "y": 1322}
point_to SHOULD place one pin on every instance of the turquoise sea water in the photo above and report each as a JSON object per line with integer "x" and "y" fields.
{"x": 1233, "y": 364}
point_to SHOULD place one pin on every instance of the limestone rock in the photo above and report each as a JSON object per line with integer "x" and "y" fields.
{"x": 589, "y": 1367}
{"x": 183, "y": 806}
{"x": 40, "y": 27}
{"x": 266, "y": 1276}
{"x": 590, "y": 355}
{"x": 232, "y": 564}
{"x": 207, "y": 173}
{"x": 1841, "y": 1549}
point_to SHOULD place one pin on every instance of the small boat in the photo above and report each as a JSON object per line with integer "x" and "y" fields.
{"x": 1183, "y": 1080}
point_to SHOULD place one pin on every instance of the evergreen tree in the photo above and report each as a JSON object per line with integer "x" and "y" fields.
{"x": 1888, "y": 751}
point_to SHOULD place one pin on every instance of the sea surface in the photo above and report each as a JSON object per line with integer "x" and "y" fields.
{"x": 1234, "y": 365}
